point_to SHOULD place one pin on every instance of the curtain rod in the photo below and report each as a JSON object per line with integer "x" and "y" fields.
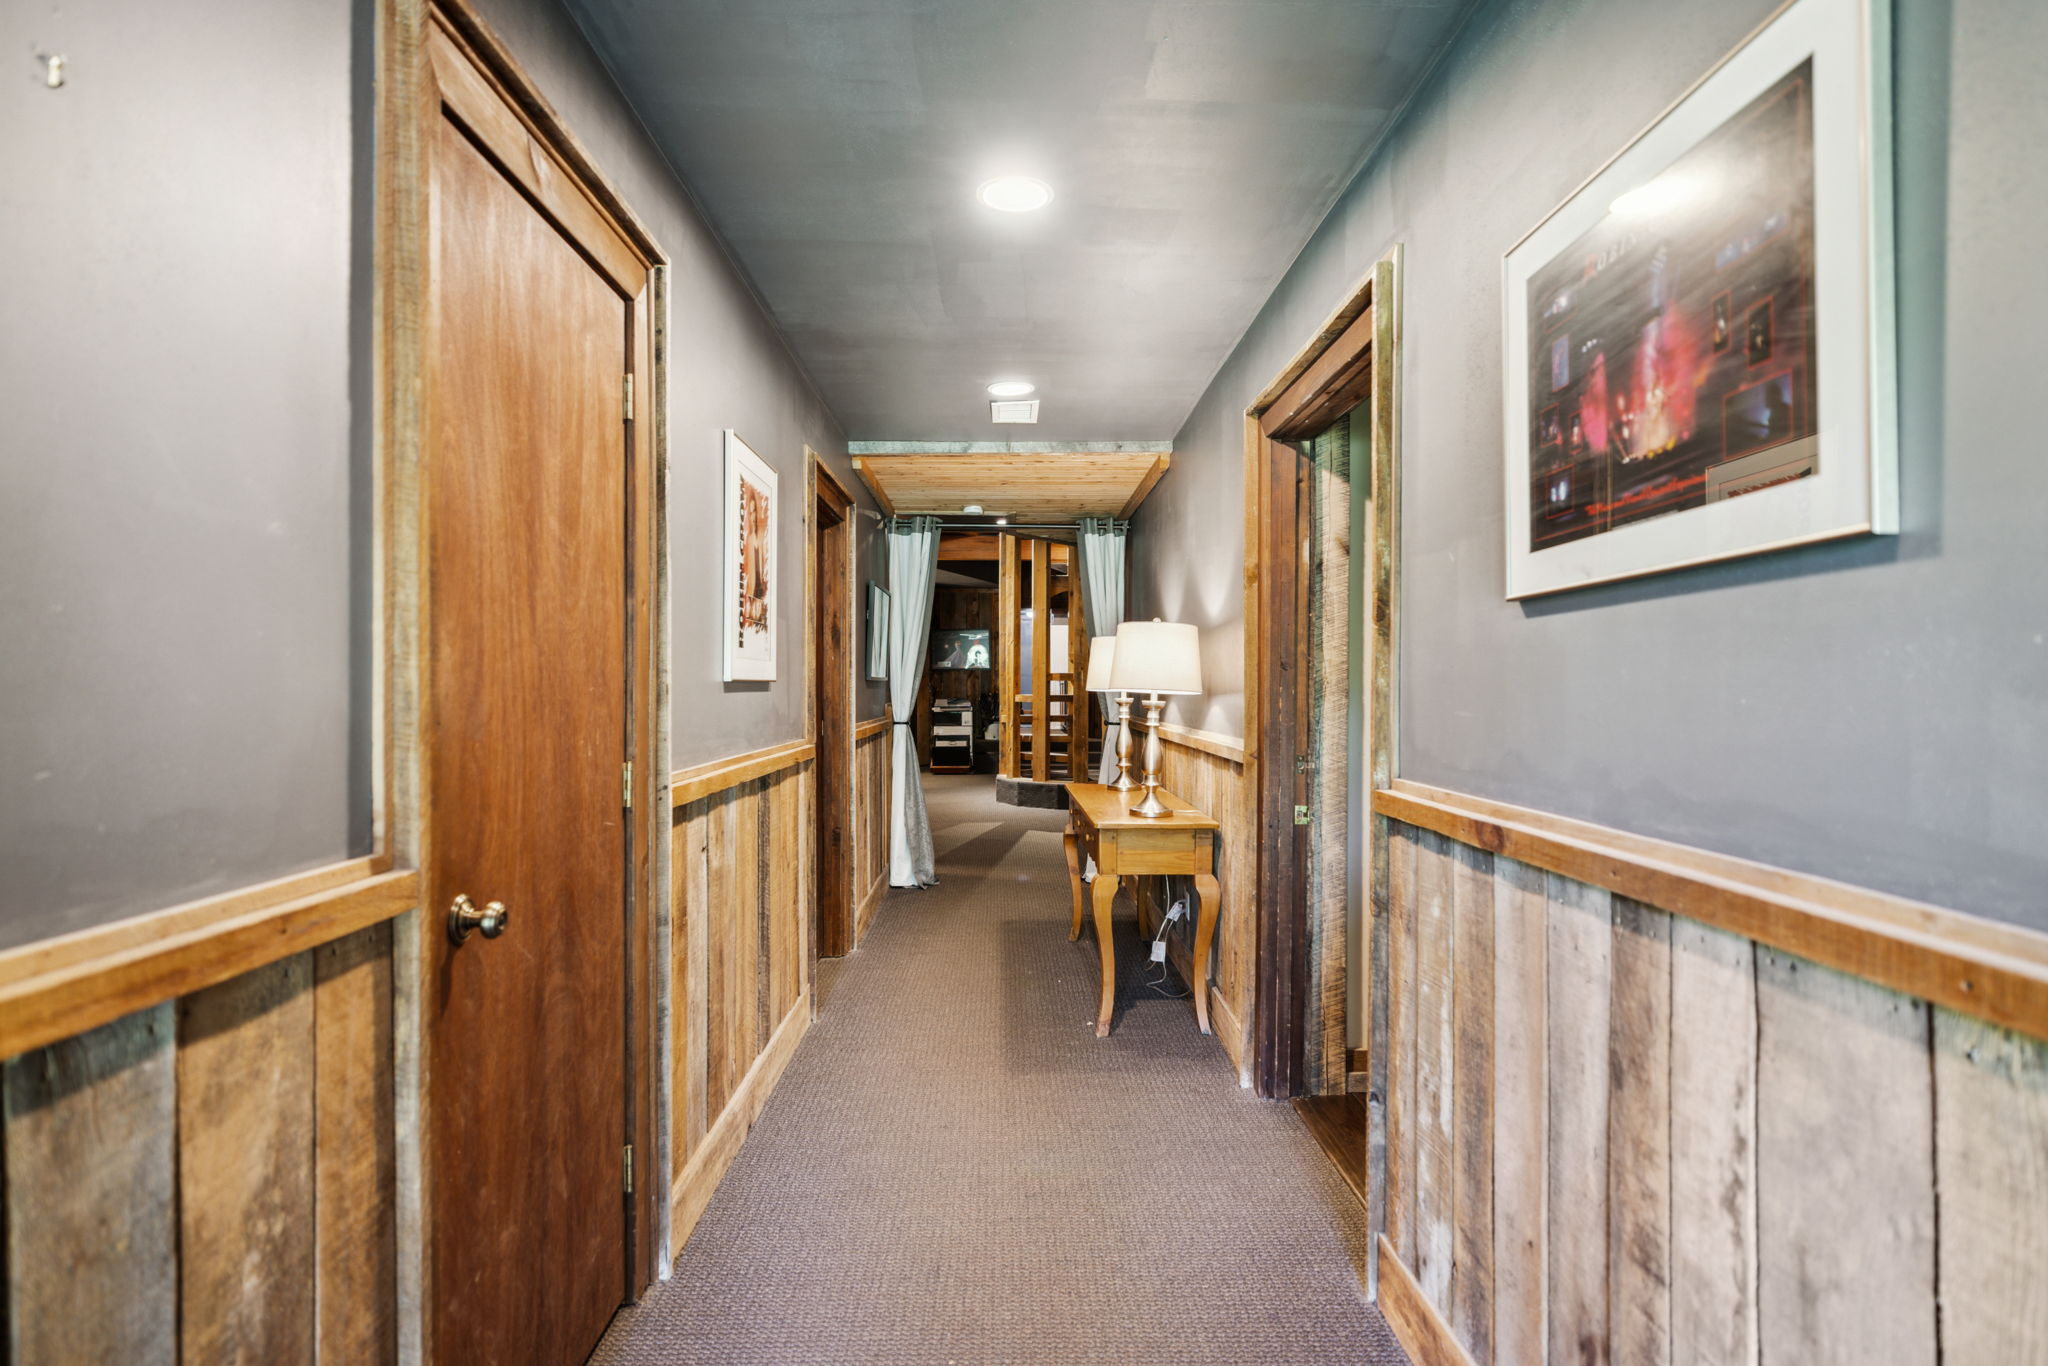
{"x": 1010, "y": 526}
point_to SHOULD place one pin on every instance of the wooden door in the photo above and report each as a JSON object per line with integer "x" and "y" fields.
{"x": 832, "y": 655}
{"x": 526, "y": 731}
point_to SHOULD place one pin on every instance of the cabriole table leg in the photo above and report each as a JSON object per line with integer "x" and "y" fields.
{"x": 1105, "y": 896}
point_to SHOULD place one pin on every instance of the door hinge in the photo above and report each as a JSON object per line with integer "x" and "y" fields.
{"x": 629, "y": 1169}
{"x": 627, "y": 783}
{"x": 1301, "y": 815}
{"x": 629, "y": 395}
{"x": 1304, "y": 763}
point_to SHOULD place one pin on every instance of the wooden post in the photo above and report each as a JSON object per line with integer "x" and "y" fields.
{"x": 1077, "y": 667}
{"x": 1041, "y": 660}
{"x": 1008, "y": 605}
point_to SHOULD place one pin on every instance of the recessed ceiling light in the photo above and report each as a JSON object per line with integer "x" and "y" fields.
{"x": 1002, "y": 521}
{"x": 973, "y": 508}
{"x": 1011, "y": 388}
{"x": 1015, "y": 193}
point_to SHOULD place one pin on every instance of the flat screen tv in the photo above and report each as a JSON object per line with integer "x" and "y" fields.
{"x": 961, "y": 650}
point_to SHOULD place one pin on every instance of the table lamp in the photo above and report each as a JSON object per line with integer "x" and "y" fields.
{"x": 1160, "y": 659}
{"x": 1101, "y": 650}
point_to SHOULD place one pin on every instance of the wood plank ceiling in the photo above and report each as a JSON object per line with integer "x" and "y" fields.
{"x": 1056, "y": 486}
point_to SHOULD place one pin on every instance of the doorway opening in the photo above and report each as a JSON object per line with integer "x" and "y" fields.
{"x": 1320, "y": 470}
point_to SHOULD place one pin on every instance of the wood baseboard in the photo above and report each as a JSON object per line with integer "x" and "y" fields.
{"x": 1424, "y": 1335}
{"x": 694, "y": 1185}
{"x": 870, "y": 902}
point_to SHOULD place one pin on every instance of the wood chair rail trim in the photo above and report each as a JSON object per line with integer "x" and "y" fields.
{"x": 99, "y": 976}
{"x": 868, "y": 730}
{"x": 694, "y": 784}
{"x": 1227, "y": 747}
{"x": 1968, "y": 964}
{"x": 1424, "y": 1335}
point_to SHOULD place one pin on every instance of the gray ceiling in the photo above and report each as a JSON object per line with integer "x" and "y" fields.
{"x": 1193, "y": 145}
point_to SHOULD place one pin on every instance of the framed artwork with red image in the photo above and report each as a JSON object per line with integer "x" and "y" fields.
{"x": 1707, "y": 322}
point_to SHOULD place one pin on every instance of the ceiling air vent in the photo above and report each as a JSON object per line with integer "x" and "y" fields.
{"x": 1013, "y": 410}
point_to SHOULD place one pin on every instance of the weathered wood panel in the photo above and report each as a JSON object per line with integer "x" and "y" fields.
{"x": 690, "y": 893}
{"x": 1218, "y": 785}
{"x": 741, "y": 949}
{"x": 246, "y": 1168}
{"x": 1435, "y": 1063}
{"x": 1713, "y": 1147}
{"x": 1472, "y": 957}
{"x": 1845, "y": 1164}
{"x": 1580, "y": 952}
{"x": 871, "y": 821}
{"x": 1639, "y": 1137}
{"x": 1991, "y": 1137}
{"x": 1400, "y": 1049}
{"x": 736, "y": 864}
{"x": 91, "y": 1196}
{"x": 1701, "y": 1149}
{"x": 355, "y": 1150}
{"x": 1520, "y": 1119}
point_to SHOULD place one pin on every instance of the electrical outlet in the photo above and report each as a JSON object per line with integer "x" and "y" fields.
{"x": 1159, "y": 950}
{"x": 1176, "y": 911}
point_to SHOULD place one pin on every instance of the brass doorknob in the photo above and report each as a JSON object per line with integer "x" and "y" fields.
{"x": 463, "y": 917}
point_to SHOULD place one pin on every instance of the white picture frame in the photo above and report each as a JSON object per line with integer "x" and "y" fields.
{"x": 1577, "y": 516}
{"x": 752, "y": 574}
{"x": 877, "y": 670}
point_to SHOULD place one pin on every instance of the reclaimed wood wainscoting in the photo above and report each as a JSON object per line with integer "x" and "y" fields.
{"x": 195, "y": 1097}
{"x": 1209, "y": 772}
{"x": 742, "y": 869}
{"x": 1648, "y": 1104}
{"x": 872, "y": 769}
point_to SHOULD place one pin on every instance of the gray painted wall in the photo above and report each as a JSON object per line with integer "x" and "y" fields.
{"x": 175, "y": 701}
{"x": 727, "y": 368}
{"x": 184, "y": 510}
{"x": 1874, "y": 711}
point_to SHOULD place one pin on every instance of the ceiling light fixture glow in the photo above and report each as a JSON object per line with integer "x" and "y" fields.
{"x": 1015, "y": 193}
{"x": 1011, "y": 388}
{"x": 972, "y": 509}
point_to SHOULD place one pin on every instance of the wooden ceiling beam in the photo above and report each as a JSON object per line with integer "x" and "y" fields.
{"x": 867, "y": 477}
{"x": 1146, "y": 485}
{"x": 1058, "y": 486}
{"x": 970, "y": 547}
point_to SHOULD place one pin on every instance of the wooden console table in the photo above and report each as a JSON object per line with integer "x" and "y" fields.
{"x": 1100, "y": 825}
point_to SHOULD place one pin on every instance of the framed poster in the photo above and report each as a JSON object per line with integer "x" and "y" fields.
{"x": 878, "y": 633}
{"x": 1699, "y": 341}
{"x": 749, "y": 618}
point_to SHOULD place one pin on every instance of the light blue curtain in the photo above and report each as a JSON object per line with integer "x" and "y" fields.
{"x": 1102, "y": 594}
{"x": 913, "y": 565}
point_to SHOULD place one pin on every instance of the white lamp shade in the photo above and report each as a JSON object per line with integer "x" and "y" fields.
{"x": 1101, "y": 650}
{"x": 1157, "y": 657}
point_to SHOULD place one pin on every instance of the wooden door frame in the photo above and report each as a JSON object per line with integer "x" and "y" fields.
{"x": 1353, "y": 357}
{"x": 410, "y": 100}
{"x": 831, "y": 933}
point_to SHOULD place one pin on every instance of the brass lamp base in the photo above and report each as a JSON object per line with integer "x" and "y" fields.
{"x": 1124, "y": 782}
{"x": 1152, "y": 806}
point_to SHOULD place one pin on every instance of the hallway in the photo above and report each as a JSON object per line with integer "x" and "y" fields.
{"x": 953, "y": 1169}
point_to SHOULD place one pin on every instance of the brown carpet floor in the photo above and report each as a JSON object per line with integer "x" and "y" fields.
{"x": 955, "y": 1170}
